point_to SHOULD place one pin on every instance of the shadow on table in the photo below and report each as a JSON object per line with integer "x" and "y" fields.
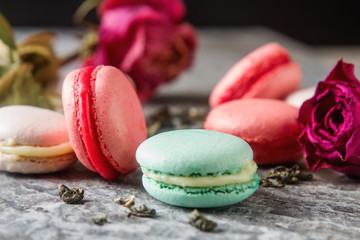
{"x": 77, "y": 173}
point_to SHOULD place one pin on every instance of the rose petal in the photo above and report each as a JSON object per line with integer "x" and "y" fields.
{"x": 175, "y": 9}
{"x": 331, "y": 118}
{"x": 343, "y": 72}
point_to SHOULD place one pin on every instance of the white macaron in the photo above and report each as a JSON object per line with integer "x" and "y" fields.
{"x": 33, "y": 140}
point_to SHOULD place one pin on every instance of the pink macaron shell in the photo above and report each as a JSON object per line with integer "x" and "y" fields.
{"x": 71, "y": 120}
{"x": 87, "y": 121}
{"x": 276, "y": 84}
{"x": 270, "y": 127}
{"x": 120, "y": 117}
{"x": 258, "y": 68}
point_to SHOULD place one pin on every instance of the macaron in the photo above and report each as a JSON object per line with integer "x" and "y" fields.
{"x": 298, "y": 97}
{"x": 104, "y": 118}
{"x": 269, "y": 126}
{"x": 267, "y": 72}
{"x": 33, "y": 140}
{"x": 197, "y": 168}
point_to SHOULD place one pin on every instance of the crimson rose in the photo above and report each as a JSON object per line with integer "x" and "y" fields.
{"x": 146, "y": 39}
{"x": 331, "y": 137}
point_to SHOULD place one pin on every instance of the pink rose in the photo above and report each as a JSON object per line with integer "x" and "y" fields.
{"x": 331, "y": 137}
{"x": 146, "y": 40}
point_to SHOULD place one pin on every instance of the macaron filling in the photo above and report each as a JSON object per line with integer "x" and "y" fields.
{"x": 11, "y": 147}
{"x": 245, "y": 174}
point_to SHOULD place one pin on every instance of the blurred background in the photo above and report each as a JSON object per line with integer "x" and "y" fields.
{"x": 314, "y": 22}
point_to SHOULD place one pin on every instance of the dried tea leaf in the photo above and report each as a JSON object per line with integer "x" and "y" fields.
{"x": 181, "y": 118}
{"x": 100, "y": 221}
{"x": 141, "y": 211}
{"x": 280, "y": 176}
{"x": 71, "y": 196}
{"x": 127, "y": 201}
{"x": 200, "y": 222}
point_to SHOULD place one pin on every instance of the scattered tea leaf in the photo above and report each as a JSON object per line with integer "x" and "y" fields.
{"x": 180, "y": 118}
{"x": 141, "y": 211}
{"x": 100, "y": 221}
{"x": 280, "y": 176}
{"x": 200, "y": 222}
{"x": 127, "y": 202}
{"x": 71, "y": 196}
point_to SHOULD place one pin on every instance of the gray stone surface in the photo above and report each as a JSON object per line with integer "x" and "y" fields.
{"x": 325, "y": 208}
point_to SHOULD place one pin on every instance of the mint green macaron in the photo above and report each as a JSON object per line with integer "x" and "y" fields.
{"x": 197, "y": 168}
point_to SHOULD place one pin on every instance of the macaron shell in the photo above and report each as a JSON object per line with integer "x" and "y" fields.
{"x": 71, "y": 120}
{"x": 28, "y": 165}
{"x": 193, "y": 151}
{"x": 270, "y": 127}
{"x": 252, "y": 68}
{"x": 276, "y": 84}
{"x": 120, "y": 117}
{"x": 32, "y": 126}
{"x": 200, "y": 197}
{"x": 85, "y": 130}
{"x": 87, "y": 120}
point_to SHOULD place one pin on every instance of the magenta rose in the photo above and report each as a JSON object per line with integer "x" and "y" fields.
{"x": 146, "y": 39}
{"x": 331, "y": 137}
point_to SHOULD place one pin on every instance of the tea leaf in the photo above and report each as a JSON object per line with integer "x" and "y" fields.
{"x": 200, "y": 222}
{"x": 71, "y": 196}
{"x": 129, "y": 202}
{"x": 281, "y": 175}
{"x": 100, "y": 221}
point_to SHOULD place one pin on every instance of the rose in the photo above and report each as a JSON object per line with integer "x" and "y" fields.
{"x": 146, "y": 40}
{"x": 331, "y": 137}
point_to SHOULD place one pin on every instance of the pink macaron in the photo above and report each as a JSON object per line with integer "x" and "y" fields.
{"x": 267, "y": 72}
{"x": 270, "y": 127}
{"x": 104, "y": 118}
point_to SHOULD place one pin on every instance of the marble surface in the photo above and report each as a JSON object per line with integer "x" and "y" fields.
{"x": 325, "y": 208}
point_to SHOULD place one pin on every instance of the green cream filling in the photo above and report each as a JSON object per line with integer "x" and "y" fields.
{"x": 246, "y": 174}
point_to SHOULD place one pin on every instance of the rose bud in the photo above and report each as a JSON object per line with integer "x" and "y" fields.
{"x": 146, "y": 40}
{"x": 331, "y": 137}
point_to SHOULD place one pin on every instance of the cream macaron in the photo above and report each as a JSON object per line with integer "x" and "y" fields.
{"x": 33, "y": 140}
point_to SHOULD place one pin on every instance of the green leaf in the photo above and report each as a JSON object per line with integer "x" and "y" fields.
{"x": 6, "y": 33}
